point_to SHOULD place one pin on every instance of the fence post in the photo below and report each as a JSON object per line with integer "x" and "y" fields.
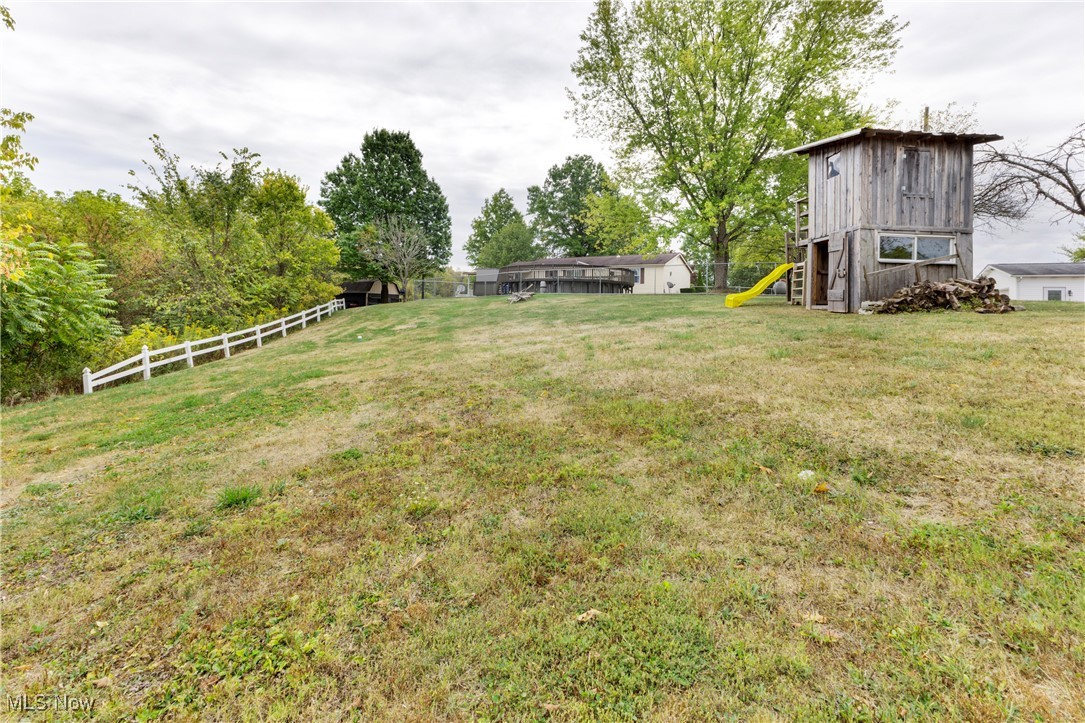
{"x": 88, "y": 385}
{"x": 259, "y": 336}
{"x": 304, "y": 318}
{"x": 318, "y": 313}
{"x": 284, "y": 326}
{"x": 226, "y": 345}
{"x": 146, "y": 363}
{"x": 188, "y": 353}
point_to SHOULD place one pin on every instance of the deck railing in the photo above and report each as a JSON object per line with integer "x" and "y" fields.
{"x": 189, "y": 350}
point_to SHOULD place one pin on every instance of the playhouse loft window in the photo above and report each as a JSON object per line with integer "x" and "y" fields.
{"x": 916, "y": 173}
{"x": 905, "y": 248}
{"x": 832, "y": 166}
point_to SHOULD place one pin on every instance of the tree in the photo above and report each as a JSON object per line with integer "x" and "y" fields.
{"x": 498, "y": 211}
{"x": 400, "y": 248}
{"x": 299, "y": 250}
{"x": 619, "y": 224}
{"x": 54, "y": 295}
{"x": 696, "y": 99}
{"x": 558, "y": 206}
{"x": 1053, "y": 176}
{"x": 238, "y": 243}
{"x": 511, "y": 244}
{"x": 386, "y": 180}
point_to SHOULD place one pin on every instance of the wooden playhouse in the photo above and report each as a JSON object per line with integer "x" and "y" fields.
{"x": 884, "y": 209}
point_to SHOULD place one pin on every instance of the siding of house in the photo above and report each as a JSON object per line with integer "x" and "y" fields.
{"x": 654, "y": 278}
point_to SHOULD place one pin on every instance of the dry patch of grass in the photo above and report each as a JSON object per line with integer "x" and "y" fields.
{"x": 434, "y": 511}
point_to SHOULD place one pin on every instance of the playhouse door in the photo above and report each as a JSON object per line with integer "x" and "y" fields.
{"x": 838, "y": 272}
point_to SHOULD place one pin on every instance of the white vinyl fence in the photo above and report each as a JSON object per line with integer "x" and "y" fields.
{"x": 189, "y": 350}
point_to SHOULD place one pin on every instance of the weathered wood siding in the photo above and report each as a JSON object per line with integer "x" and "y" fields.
{"x": 943, "y": 200}
{"x": 835, "y": 203}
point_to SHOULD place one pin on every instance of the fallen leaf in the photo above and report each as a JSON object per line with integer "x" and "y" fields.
{"x": 821, "y": 488}
{"x": 766, "y": 470}
{"x": 550, "y": 707}
{"x": 587, "y": 617}
{"x": 814, "y": 618}
{"x": 103, "y": 683}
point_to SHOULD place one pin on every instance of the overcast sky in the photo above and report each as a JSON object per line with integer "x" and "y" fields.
{"x": 480, "y": 87}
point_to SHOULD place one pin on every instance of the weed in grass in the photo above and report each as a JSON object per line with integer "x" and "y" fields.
{"x": 779, "y": 353}
{"x": 197, "y": 528}
{"x": 973, "y": 421}
{"x": 419, "y": 508}
{"x": 42, "y": 489}
{"x": 349, "y": 455}
{"x": 238, "y": 496}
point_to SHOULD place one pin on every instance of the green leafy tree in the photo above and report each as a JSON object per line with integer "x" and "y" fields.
{"x": 498, "y": 211}
{"x": 299, "y": 251}
{"x": 696, "y": 98}
{"x": 512, "y": 243}
{"x": 387, "y": 180}
{"x": 239, "y": 244}
{"x": 620, "y": 224}
{"x": 54, "y": 295}
{"x": 123, "y": 237}
{"x": 558, "y": 206}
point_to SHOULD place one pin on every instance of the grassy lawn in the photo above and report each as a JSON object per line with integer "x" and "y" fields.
{"x": 407, "y": 512}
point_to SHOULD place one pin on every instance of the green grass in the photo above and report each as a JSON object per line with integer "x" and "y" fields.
{"x": 442, "y": 502}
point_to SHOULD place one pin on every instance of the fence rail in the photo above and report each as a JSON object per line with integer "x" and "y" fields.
{"x": 191, "y": 349}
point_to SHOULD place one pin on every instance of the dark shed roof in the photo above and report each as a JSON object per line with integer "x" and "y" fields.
{"x": 972, "y": 138}
{"x": 627, "y": 260}
{"x": 1052, "y": 269}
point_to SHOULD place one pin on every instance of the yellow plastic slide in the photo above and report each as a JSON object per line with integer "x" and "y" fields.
{"x": 735, "y": 300}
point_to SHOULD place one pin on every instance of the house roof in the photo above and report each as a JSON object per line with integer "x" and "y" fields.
{"x": 366, "y": 286}
{"x": 1052, "y": 269}
{"x": 972, "y": 138}
{"x": 625, "y": 261}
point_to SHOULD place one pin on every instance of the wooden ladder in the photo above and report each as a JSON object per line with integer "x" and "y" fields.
{"x": 795, "y": 245}
{"x": 798, "y": 279}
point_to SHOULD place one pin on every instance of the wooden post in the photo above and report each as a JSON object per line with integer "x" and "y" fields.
{"x": 304, "y": 318}
{"x": 146, "y": 363}
{"x": 226, "y": 345}
{"x": 284, "y": 326}
{"x": 318, "y": 313}
{"x": 188, "y": 354}
{"x": 259, "y": 336}
{"x": 88, "y": 385}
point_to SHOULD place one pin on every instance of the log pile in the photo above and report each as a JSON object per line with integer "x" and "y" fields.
{"x": 980, "y": 295}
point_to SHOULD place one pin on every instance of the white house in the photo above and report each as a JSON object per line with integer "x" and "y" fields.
{"x": 1039, "y": 282}
{"x": 660, "y": 274}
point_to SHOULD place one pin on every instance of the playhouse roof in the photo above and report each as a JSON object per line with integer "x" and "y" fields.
{"x": 971, "y": 138}
{"x": 628, "y": 260}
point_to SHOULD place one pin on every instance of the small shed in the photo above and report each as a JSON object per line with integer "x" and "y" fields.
{"x": 885, "y": 208}
{"x": 369, "y": 291}
{"x": 1059, "y": 281}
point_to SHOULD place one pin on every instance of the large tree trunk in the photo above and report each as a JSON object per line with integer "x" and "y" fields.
{"x": 721, "y": 251}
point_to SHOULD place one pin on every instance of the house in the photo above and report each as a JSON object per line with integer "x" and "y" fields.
{"x": 1039, "y": 282}
{"x": 565, "y": 276}
{"x": 369, "y": 291}
{"x": 666, "y": 273}
{"x": 885, "y": 209}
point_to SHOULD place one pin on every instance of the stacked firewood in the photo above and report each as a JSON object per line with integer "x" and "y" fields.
{"x": 980, "y": 295}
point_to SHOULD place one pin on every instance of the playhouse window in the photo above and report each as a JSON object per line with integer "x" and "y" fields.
{"x": 832, "y": 166}
{"x": 916, "y": 172}
{"x": 906, "y": 248}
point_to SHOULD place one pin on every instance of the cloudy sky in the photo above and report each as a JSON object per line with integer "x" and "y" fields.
{"x": 480, "y": 87}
